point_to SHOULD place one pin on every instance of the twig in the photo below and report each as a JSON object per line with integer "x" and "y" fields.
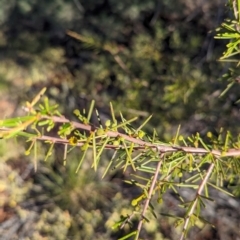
{"x": 142, "y": 144}
{"x": 139, "y": 143}
{"x": 149, "y": 195}
{"x": 199, "y": 191}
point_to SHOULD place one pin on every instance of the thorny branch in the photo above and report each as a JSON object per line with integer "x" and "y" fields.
{"x": 198, "y": 193}
{"x": 140, "y": 144}
{"x": 150, "y": 192}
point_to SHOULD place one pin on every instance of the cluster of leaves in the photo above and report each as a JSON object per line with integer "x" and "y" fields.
{"x": 230, "y": 30}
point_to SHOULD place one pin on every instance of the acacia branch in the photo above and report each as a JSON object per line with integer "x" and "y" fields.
{"x": 141, "y": 144}
{"x": 149, "y": 194}
{"x": 198, "y": 193}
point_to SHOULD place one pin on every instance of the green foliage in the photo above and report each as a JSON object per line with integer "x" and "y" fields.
{"x": 230, "y": 30}
{"x": 154, "y": 167}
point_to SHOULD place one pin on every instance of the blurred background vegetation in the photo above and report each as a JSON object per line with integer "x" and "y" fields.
{"x": 146, "y": 57}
